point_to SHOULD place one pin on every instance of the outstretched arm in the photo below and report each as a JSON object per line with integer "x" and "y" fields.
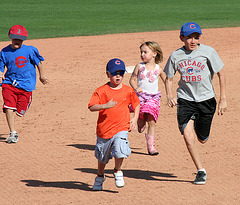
{"x": 222, "y": 105}
{"x": 168, "y": 86}
{"x": 42, "y": 77}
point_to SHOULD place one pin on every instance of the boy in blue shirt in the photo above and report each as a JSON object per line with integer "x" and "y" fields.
{"x": 19, "y": 78}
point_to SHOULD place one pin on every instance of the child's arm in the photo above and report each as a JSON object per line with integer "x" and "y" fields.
{"x": 42, "y": 78}
{"x": 222, "y": 105}
{"x": 98, "y": 107}
{"x": 1, "y": 77}
{"x": 133, "y": 121}
{"x": 168, "y": 86}
{"x": 2, "y": 71}
{"x": 162, "y": 75}
{"x": 133, "y": 79}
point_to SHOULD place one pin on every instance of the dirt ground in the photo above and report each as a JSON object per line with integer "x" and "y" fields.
{"x": 54, "y": 163}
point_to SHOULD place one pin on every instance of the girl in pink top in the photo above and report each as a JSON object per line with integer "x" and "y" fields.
{"x": 144, "y": 81}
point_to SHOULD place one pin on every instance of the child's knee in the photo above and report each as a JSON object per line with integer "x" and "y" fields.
{"x": 189, "y": 137}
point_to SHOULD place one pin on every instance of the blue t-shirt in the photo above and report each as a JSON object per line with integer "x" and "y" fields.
{"x": 20, "y": 63}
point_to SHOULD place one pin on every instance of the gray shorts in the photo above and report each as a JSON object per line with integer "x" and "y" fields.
{"x": 117, "y": 147}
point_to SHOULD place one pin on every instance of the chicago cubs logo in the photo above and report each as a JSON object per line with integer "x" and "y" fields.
{"x": 190, "y": 70}
{"x": 192, "y": 26}
{"x": 21, "y": 61}
{"x": 117, "y": 62}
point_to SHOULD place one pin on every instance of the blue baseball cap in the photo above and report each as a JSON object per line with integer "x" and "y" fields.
{"x": 114, "y": 65}
{"x": 189, "y": 28}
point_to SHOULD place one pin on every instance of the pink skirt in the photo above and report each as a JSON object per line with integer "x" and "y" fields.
{"x": 149, "y": 103}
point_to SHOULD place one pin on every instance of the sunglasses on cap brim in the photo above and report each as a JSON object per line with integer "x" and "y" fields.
{"x": 121, "y": 72}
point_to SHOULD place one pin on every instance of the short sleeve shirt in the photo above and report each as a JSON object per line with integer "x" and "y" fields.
{"x": 115, "y": 119}
{"x": 20, "y": 63}
{"x": 196, "y": 69}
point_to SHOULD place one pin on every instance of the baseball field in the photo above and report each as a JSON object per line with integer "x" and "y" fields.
{"x": 54, "y": 163}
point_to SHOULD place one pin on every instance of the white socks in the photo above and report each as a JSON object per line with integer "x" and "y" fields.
{"x": 203, "y": 170}
{"x": 13, "y": 132}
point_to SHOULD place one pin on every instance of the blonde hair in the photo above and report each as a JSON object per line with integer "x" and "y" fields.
{"x": 155, "y": 48}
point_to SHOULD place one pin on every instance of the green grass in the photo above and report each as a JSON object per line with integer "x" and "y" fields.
{"x": 61, "y": 18}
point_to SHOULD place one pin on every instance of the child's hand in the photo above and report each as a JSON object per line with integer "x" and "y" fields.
{"x": 172, "y": 101}
{"x": 44, "y": 80}
{"x": 222, "y": 106}
{"x": 133, "y": 124}
{"x": 110, "y": 104}
{"x": 139, "y": 90}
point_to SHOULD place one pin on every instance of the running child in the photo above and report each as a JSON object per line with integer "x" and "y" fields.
{"x": 112, "y": 100}
{"x": 144, "y": 80}
{"x": 196, "y": 63}
{"x": 18, "y": 75}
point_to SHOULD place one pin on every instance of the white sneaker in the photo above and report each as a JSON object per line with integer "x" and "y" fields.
{"x": 98, "y": 183}
{"x": 119, "y": 181}
{"x": 12, "y": 138}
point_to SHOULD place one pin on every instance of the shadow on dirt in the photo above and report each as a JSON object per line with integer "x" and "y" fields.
{"x": 139, "y": 174}
{"x": 62, "y": 184}
{"x": 92, "y": 148}
{"x": 2, "y": 138}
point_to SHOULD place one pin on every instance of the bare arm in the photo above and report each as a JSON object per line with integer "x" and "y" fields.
{"x": 133, "y": 79}
{"x": 42, "y": 77}
{"x": 168, "y": 86}
{"x": 1, "y": 76}
{"x": 222, "y": 105}
{"x": 162, "y": 75}
{"x": 98, "y": 107}
{"x": 133, "y": 121}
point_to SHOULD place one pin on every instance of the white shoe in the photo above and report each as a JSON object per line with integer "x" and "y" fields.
{"x": 98, "y": 183}
{"x": 12, "y": 138}
{"x": 119, "y": 181}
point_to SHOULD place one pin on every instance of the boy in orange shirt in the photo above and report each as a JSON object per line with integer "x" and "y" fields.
{"x": 112, "y": 100}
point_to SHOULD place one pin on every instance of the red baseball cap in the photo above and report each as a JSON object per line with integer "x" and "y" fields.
{"x": 18, "y": 32}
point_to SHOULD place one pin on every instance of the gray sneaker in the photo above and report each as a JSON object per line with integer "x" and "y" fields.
{"x": 200, "y": 178}
{"x": 12, "y": 138}
{"x": 98, "y": 183}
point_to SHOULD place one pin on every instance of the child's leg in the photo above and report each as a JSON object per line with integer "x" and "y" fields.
{"x": 118, "y": 174}
{"x": 150, "y": 135}
{"x": 10, "y": 119}
{"x": 101, "y": 168}
{"x": 13, "y": 137}
{"x": 118, "y": 164}
{"x": 151, "y": 124}
{"x": 190, "y": 140}
{"x": 141, "y": 124}
{"x": 193, "y": 150}
{"x": 100, "y": 178}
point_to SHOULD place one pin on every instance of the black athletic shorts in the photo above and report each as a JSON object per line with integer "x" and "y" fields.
{"x": 201, "y": 112}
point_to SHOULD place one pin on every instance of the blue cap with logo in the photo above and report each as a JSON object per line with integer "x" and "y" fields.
{"x": 189, "y": 28}
{"x": 114, "y": 65}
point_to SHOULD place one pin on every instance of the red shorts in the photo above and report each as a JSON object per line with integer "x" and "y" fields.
{"x": 16, "y": 99}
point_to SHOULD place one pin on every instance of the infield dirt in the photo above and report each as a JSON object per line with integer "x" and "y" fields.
{"x": 54, "y": 163}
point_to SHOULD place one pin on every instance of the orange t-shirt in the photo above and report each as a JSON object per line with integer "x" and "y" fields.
{"x": 115, "y": 119}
